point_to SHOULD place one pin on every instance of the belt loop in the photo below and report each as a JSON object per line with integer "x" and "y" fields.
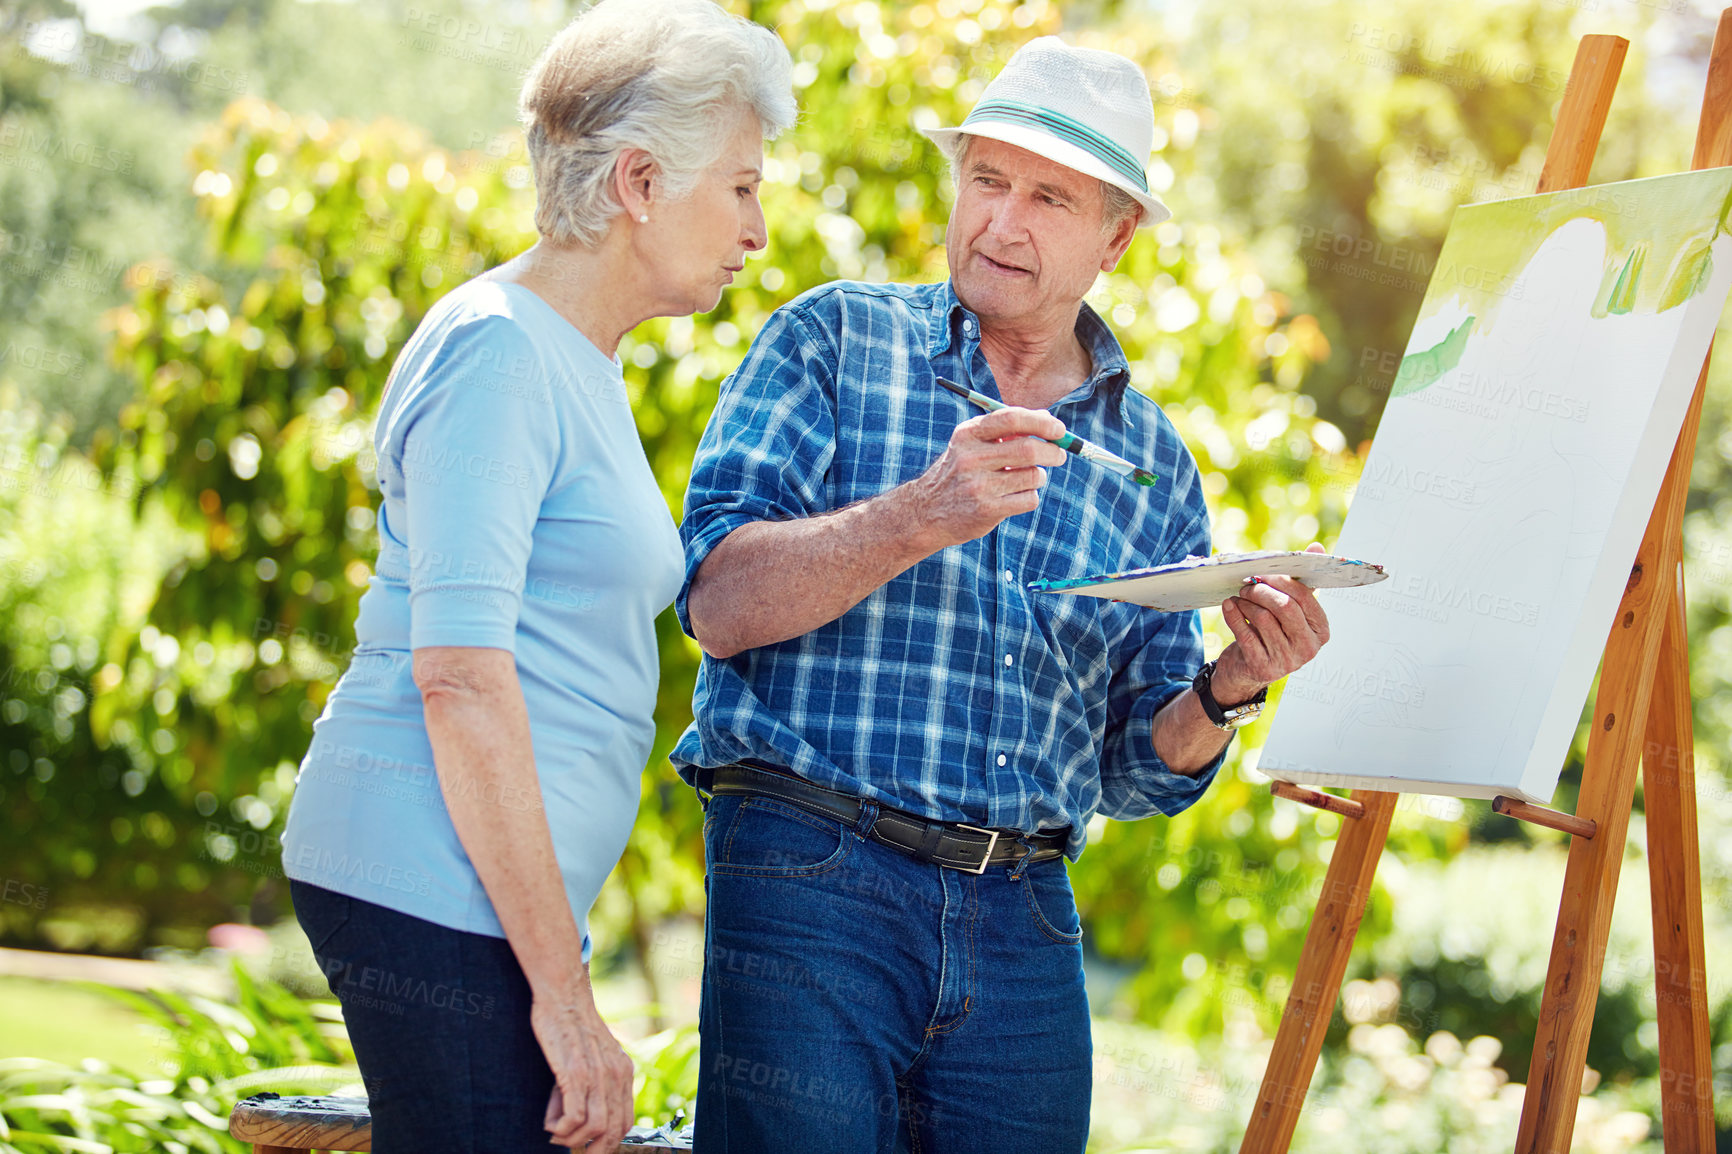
{"x": 1021, "y": 862}
{"x": 868, "y": 816}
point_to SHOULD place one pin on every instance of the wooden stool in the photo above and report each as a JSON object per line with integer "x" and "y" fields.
{"x": 278, "y": 1125}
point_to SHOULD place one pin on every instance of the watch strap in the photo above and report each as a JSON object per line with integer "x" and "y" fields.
{"x": 1211, "y": 708}
{"x": 1231, "y": 716}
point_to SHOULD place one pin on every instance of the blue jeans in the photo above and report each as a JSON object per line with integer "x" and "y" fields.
{"x": 439, "y": 1019}
{"x": 855, "y": 999}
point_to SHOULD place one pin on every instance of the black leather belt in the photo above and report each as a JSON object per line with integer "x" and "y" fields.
{"x": 947, "y": 843}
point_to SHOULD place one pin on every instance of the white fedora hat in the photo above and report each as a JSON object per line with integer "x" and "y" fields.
{"x": 1087, "y": 109}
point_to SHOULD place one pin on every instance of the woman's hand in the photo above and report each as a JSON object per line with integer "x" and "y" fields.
{"x": 591, "y": 1100}
{"x": 483, "y": 752}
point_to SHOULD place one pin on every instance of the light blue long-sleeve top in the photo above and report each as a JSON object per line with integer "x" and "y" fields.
{"x": 518, "y": 513}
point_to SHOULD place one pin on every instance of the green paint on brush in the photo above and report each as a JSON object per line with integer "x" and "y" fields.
{"x": 1070, "y": 442}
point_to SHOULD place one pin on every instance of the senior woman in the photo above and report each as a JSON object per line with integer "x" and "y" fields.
{"x": 475, "y": 774}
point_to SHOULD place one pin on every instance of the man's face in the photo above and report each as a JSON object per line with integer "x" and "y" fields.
{"x": 1025, "y": 240}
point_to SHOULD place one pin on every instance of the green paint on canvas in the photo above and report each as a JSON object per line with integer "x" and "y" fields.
{"x": 1421, "y": 369}
{"x": 1664, "y": 223}
{"x": 1689, "y": 278}
{"x": 1618, "y": 290}
{"x": 1669, "y": 217}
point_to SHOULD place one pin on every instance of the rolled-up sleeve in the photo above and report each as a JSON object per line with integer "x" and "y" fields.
{"x": 479, "y": 451}
{"x": 768, "y": 445}
{"x": 1164, "y": 652}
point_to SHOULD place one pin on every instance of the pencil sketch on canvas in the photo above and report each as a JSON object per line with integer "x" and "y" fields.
{"x": 1507, "y": 489}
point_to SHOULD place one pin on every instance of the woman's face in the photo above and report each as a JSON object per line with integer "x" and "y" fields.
{"x": 695, "y": 246}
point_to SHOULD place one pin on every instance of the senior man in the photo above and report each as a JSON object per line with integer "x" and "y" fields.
{"x": 896, "y": 741}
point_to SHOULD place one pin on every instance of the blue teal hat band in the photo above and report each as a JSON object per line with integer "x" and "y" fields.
{"x": 1064, "y": 128}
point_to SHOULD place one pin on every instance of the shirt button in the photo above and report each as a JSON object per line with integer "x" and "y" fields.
{"x": 1008, "y": 660}
{"x": 1002, "y": 759}
{"x": 968, "y": 327}
{"x": 1009, "y": 576}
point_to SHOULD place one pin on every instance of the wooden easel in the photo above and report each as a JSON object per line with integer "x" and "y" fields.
{"x": 1645, "y": 674}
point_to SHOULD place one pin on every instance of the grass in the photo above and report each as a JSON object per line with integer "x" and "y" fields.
{"x": 65, "y": 1023}
{"x": 1386, "y": 1092}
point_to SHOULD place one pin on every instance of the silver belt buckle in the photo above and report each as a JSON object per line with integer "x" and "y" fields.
{"x": 990, "y": 846}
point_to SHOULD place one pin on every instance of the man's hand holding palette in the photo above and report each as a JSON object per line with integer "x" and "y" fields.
{"x": 1205, "y": 582}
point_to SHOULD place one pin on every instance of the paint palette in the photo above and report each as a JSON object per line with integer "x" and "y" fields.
{"x": 1202, "y": 582}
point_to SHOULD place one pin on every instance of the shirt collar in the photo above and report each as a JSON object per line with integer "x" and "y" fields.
{"x": 950, "y": 318}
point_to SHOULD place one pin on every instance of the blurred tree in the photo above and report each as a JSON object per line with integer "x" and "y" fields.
{"x": 90, "y": 181}
{"x": 97, "y": 114}
{"x": 1342, "y": 136}
{"x": 82, "y": 819}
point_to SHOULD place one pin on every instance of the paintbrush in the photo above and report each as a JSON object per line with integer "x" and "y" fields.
{"x": 1070, "y": 442}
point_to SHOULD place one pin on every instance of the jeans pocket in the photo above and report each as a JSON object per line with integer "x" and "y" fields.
{"x": 1046, "y": 887}
{"x": 321, "y": 912}
{"x": 763, "y": 837}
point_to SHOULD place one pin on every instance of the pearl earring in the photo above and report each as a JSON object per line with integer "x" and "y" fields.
{"x": 644, "y": 219}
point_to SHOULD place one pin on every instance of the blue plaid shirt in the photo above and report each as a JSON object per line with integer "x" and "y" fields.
{"x": 951, "y": 691}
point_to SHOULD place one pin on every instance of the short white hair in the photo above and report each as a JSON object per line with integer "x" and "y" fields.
{"x": 666, "y": 76}
{"x": 1116, "y": 204}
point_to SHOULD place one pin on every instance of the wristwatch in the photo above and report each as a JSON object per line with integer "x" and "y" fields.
{"x": 1230, "y": 717}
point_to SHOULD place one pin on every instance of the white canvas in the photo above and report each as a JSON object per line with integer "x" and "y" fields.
{"x": 1507, "y": 489}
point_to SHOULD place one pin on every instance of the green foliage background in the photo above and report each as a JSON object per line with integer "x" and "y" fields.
{"x": 187, "y": 488}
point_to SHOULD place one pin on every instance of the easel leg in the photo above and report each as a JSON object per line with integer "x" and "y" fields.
{"x": 1322, "y": 964}
{"x": 1626, "y": 691}
{"x": 1669, "y": 778}
{"x": 1675, "y": 878}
